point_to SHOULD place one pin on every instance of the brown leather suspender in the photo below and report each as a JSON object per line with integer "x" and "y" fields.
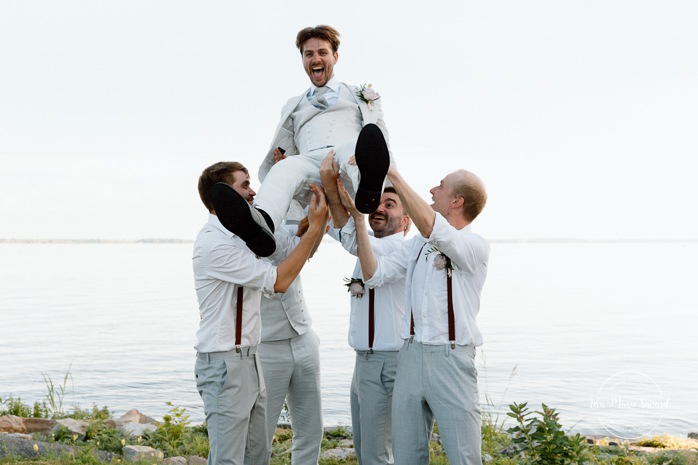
{"x": 451, "y": 313}
{"x": 371, "y": 319}
{"x": 238, "y": 322}
{"x": 451, "y": 316}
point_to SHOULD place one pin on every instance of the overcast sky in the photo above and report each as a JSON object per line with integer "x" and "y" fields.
{"x": 581, "y": 117}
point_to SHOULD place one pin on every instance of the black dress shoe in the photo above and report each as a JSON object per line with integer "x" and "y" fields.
{"x": 373, "y": 161}
{"x": 242, "y": 219}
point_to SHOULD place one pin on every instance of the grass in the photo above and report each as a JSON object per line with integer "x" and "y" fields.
{"x": 175, "y": 436}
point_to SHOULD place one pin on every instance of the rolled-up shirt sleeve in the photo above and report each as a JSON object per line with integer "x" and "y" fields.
{"x": 392, "y": 267}
{"x": 239, "y": 266}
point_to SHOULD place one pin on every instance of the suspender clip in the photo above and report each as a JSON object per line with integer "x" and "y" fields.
{"x": 453, "y": 344}
{"x": 237, "y": 349}
{"x": 370, "y": 351}
{"x": 411, "y": 338}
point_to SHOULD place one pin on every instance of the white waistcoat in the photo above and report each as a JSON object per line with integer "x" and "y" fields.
{"x": 316, "y": 129}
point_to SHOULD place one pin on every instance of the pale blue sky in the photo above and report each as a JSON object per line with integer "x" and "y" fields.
{"x": 579, "y": 116}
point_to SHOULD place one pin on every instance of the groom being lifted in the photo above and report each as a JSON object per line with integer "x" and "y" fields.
{"x": 330, "y": 115}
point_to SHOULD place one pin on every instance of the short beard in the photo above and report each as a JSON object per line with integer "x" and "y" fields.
{"x": 392, "y": 226}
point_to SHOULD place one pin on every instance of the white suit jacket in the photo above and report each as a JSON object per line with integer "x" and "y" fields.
{"x": 284, "y": 131}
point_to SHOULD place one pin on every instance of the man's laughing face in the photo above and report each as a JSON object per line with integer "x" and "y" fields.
{"x": 319, "y": 61}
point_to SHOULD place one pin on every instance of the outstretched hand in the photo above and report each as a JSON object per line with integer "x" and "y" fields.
{"x": 302, "y": 226}
{"x": 329, "y": 170}
{"x": 278, "y": 156}
{"x": 318, "y": 212}
{"x": 348, "y": 202}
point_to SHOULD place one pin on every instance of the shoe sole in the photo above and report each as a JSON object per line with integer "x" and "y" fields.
{"x": 373, "y": 160}
{"x": 233, "y": 211}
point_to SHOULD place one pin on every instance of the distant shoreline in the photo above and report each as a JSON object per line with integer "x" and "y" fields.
{"x": 493, "y": 241}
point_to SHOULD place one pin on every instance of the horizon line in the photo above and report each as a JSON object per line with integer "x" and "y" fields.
{"x": 190, "y": 241}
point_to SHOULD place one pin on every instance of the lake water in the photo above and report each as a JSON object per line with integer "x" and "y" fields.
{"x": 603, "y": 332}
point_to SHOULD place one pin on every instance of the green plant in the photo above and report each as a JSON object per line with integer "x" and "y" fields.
{"x": 174, "y": 436}
{"x": 12, "y": 406}
{"x": 106, "y": 438}
{"x": 540, "y": 438}
{"x": 95, "y": 413}
{"x": 56, "y": 393}
{"x": 40, "y": 410}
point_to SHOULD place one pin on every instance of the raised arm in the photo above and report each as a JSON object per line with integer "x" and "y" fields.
{"x": 329, "y": 174}
{"x": 366, "y": 256}
{"x": 419, "y": 210}
{"x": 288, "y": 269}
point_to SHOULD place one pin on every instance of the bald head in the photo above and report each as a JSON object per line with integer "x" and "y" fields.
{"x": 471, "y": 188}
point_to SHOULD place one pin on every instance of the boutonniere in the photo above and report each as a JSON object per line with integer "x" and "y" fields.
{"x": 441, "y": 260}
{"x": 368, "y": 94}
{"x": 355, "y": 286}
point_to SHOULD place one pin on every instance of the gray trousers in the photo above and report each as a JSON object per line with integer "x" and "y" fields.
{"x": 371, "y": 403}
{"x": 292, "y": 373}
{"x": 232, "y": 388}
{"x": 436, "y": 382}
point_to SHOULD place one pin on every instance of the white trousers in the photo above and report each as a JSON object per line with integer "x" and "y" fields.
{"x": 289, "y": 180}
{"x": 436, "y": 382}
{"x": 292, "y": 373}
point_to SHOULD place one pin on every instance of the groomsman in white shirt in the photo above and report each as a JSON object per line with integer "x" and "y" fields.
{"x": 229, "y": 281}
{"x": 375, "y": 320}
{"x": 445, "y": 267}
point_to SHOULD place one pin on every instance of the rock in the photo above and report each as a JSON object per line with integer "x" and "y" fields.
{"x": 510, "y": 451}
{"x": 612, "y": 443}
{"x": 590, "y": 441}
{"x": 39, "y": 425}
{"x": 136, "y": 429}
{"x": 346, "y": 443}
{"x": 141, "y": 453}
{"x": 12, "y": 424}
{"x": 196, "y": 460}
{"x": 11, "y": 445}
{"x": 487, "y": 458}
{"x": 28, "y": 437}
{"x": 134, "y": 416}
{"x": 337, "y": 430}
{"x": 76, "y": 427}
{"x": 692, "y": 435}
{"x": 338, "y": 454}
{"x": 175, "y": 461}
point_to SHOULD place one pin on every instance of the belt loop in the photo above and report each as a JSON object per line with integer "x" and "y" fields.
{"x": 208, "y": 357}
{"x": 248, "y": 351}
{"x": 448, "y": 351}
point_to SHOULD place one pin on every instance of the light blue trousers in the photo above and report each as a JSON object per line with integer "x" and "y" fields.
{"x": 371, "y": 404}
{"x": 232, "y": 388}
{"x": 292, "y": 373}
{"x": 436, "y": 383}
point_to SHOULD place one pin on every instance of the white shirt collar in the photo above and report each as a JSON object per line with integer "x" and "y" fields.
{"x": 215, "y": 222}
{"x": 332, "y": 84}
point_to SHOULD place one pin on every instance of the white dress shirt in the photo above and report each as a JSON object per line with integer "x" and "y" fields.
{"x": 222, "y": 262}
{"x": 389, "y": 298}
{"x": 427, "y": 295}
